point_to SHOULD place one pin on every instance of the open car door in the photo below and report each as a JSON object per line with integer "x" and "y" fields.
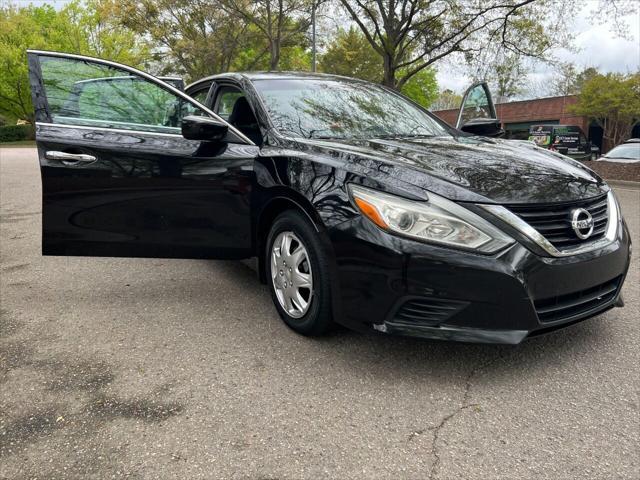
{"x": 118, "y": 176}
{"x": 478, "y": 113}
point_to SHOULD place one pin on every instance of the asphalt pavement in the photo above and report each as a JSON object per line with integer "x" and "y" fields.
{"x": 130, "y": 368}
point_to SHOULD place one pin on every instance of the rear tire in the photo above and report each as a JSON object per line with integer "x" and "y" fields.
{"x": 297, "y": 268}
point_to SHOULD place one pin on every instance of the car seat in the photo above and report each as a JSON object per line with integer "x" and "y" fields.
{"x": 243, "y": 119}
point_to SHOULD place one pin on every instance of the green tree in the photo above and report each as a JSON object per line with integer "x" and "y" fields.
{"x": 20, "y": 29}
{"x": 568, "y": 80}
{"x": 295, "y": 58}
{"x": 613, "y": 102}
{"x": 584, "y": 76}
{"x": 190, "y": 38}
{"x": 505, "y": 71}
{"x": 201, "y": 38}
{"x": 422, "y": 87}
{"x": 78, "y": 28}
{"x": 447, "y": 100}
{"x": 351, "y": 55}
{"x": 92, "y": 31}
{"x": 280, "y": 22}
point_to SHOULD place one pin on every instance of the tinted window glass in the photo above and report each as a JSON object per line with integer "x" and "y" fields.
{"x": 342, "y": 109}
{"x": 85, "y": 93}
{"x": 629, "y": 151}
{"x": 226, "y": 100}
{"x": 476, "y": 105}
{"x": 201, "y": 96}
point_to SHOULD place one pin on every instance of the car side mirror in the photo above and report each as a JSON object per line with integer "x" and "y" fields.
{"x": 486, "y": 127}
{"x": 203, "y": 128}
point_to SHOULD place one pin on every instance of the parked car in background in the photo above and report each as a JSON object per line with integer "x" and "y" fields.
{"x": 569, "y": 140}
{"x": 628, "y": 152}
{"x": 361, "y": 207}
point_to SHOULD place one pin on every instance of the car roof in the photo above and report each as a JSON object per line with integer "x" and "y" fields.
{"x": 251, "y": 76}
{"x": 632, "y": 140}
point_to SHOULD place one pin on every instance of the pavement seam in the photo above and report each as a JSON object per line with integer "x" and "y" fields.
{"x": 464, "y": 405}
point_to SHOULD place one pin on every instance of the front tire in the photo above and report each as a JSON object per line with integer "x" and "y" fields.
{"x": 297, "y": 270}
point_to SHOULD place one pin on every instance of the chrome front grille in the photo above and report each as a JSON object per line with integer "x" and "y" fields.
{"x": 553, "y": 221}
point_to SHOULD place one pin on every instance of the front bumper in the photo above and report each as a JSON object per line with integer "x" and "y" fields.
{"x": 398, "y": 286}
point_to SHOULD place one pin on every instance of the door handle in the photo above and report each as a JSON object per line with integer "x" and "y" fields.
{"x": 70, "y": 158}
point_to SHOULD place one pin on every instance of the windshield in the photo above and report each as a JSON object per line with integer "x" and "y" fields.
{"x": 630, "y": 151}
{"x": 342, "y": 109}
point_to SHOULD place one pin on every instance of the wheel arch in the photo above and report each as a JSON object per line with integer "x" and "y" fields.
{"x": 273, "y": 204}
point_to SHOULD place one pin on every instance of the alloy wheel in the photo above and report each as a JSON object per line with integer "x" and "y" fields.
{"x": 291, "y": 274}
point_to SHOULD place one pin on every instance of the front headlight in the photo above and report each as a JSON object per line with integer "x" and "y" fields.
{"x": 437, "y": 220}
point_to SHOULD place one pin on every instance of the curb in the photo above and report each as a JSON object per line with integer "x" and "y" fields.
{"x": 624, "y": 184}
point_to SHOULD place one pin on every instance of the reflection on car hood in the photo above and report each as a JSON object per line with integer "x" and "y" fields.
{"x": 468, "y": 168}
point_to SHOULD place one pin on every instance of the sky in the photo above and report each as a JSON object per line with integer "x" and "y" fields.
{"x": 597, "y": 47}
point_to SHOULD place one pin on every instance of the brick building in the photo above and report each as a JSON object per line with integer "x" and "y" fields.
{"x": 517, "y": 117}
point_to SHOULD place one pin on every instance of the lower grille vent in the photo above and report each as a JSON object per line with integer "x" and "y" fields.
{"x": 427, "y": 311}
{"x": 575, "y": 305}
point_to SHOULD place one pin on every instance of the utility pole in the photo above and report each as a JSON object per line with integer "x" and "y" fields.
{"x": 313, "y": 36}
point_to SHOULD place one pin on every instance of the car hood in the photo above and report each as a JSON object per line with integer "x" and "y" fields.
{"x": 467, "y": 168}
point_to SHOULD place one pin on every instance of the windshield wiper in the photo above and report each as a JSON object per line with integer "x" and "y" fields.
{"x": 418, "y": 135}
{"x": 312, "y": 134}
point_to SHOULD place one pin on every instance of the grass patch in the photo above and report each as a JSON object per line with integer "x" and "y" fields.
{"x": 21, "y": 143}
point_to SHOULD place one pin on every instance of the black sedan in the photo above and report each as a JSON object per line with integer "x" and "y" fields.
{"x": 361, "y": 207}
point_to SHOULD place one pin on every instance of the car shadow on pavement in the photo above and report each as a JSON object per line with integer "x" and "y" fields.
{"x": 406, "y": 355}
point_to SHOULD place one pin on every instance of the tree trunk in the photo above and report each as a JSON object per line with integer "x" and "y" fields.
{"x": 275, "y": 55}
{"x": 389, "y": 78}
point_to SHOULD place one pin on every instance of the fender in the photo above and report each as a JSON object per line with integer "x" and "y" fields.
{"x": 273, "y": 201}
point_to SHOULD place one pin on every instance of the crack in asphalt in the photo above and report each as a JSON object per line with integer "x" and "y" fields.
{"x": 464, "y": 405}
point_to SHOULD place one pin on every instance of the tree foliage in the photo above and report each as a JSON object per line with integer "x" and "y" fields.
{"x": 568, "y": 80}
{"x": 280, "y": 22}
{"x": 447, "y": 100}
{"x": 78, "y": 28}
{"x": 396, "y": 43}
{"x": 412, "y": 35}
{"x": 190, "y": 38}
{"x": 422, "y": 87}
{"x": 197, "y": 38}
{"x": 504, "y": 70}
{"x": 613, "y": 101}
{"x": 351, "y": 55}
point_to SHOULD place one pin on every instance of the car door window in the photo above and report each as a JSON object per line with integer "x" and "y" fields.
{"x": 476, "y": 105}
{"x": 95, "y": 94}
{"x": 227, "y": 98}
{"x": 201, "y": 95}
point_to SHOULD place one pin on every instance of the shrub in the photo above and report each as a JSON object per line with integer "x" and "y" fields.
{"x": 16, "y": 133}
